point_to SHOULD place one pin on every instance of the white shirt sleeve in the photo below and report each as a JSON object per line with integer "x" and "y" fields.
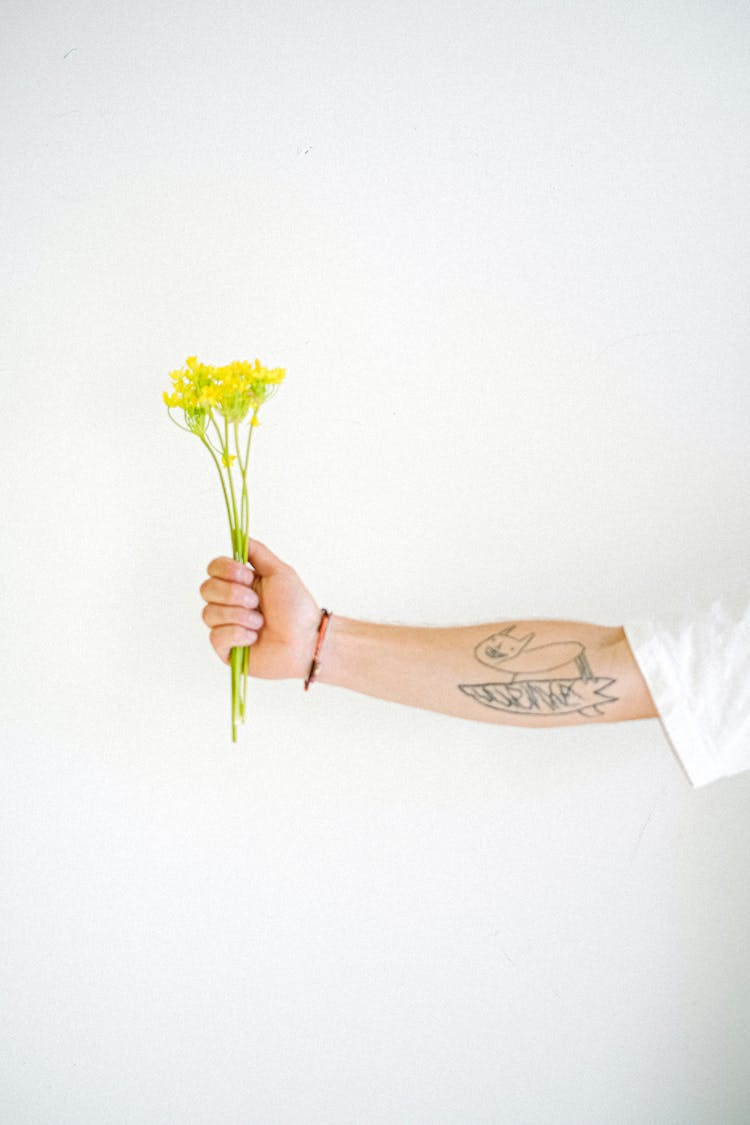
{"x": 697, "y": 667}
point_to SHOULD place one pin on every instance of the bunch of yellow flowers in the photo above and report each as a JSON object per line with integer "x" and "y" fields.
{"x": 233, "y": 390}
{"x": 214, "y": 401}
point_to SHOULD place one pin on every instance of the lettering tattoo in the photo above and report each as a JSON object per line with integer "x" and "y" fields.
{"x": 550, "y": 679}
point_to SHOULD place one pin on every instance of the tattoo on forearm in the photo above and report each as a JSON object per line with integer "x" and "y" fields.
{"x": 551, "y": 679}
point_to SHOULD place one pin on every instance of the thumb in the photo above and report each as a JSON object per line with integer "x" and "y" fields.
{"x": 263, "y": 561}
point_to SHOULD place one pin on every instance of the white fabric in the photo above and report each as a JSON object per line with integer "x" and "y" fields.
{"x": 697, "y": 667}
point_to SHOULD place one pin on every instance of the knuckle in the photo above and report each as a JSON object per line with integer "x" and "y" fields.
{"x": 220, "y": 567}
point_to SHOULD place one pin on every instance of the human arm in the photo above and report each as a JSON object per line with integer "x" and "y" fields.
{"x": 524, "y": 672}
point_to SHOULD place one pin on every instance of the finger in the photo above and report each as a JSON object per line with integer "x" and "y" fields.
{"x": 214, "y": 615}
{"x": 231, "y": 570}
{"x": 226, "y": 637}
{"x": 228, "y": 593}
{"x": 263, "y": 559}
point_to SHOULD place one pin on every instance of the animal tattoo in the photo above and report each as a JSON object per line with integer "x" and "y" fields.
{"x": 538, "y": 680}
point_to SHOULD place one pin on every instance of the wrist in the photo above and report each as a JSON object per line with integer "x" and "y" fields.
{"x": 336, "y": 652}
{"x": 346, "y": 653}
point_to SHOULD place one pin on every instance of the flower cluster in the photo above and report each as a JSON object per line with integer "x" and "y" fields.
{"x": 234, "y": 391}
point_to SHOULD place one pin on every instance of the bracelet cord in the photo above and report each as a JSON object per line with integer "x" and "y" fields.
{"x": 315, "y": 665}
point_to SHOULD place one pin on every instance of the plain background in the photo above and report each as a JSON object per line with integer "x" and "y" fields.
{"x": 503, "y": 251}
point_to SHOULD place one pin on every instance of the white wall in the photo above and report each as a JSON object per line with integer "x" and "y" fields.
{"x": 502, "y": 250}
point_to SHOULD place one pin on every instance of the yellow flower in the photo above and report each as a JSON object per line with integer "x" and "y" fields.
{"x": 210, "y": 395}
{"x": 233, "y": 390}
{"x": 227, "y": 459}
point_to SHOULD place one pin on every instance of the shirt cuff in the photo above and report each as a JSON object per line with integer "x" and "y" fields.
{"x": 693, "y": 745}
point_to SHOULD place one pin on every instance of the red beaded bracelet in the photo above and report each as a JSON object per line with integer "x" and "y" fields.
{"x": 315, "y": 666}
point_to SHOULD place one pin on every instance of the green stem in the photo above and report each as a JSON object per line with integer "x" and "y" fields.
{"x": 237, "y": 447}
{"x": 236, "y": 661}
{"x": 244, "y": 514}
{"x": 250, "y": 429}
{"x": 245, "y": 497}
{"x": 178, "y": 424}
{"x": 209, "y": 447}
{"x": 243, "y": 682}
{"x": 231, "y": 487}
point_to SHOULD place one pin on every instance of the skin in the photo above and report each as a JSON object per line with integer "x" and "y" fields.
{"x": 530, "y": 673}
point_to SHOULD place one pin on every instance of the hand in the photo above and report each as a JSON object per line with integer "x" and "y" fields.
{"x": 264, "y": 605}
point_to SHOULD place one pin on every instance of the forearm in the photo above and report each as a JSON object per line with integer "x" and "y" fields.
{"x": 527, "y": 673}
